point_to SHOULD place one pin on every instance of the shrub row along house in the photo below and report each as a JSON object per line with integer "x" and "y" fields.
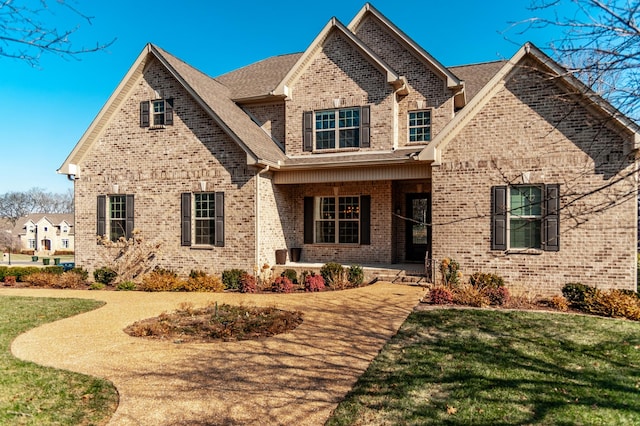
{"x": 364, "y": 149}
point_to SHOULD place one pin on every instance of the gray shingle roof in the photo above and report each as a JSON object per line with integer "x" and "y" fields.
{"x": 260, "y": 78}
{"x": 217, "y": 98}
{"x": 476, "y": 76}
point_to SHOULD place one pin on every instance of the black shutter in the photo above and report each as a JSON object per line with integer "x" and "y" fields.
{"x": 219, "y": 200}
{"x": 365, "y": 125}
{"x": 365, "y": 220}
{"x": 308, "y": 220}
{"x": 499, "y": 218}
{"x": 102, "y": 216}
{"x": 308, "y": 131}
{"x": 128, "y": 206}
{"x": 551, "y": 220}
{"x": 168, "y": 112}
{"x": 144, "y": 114}
{"x": 185, "y": 219}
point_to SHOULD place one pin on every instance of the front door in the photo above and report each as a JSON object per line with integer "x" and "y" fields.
{"x": 418, "y": 225}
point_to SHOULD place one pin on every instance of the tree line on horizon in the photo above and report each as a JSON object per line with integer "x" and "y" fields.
{"x": 15, "y": 204}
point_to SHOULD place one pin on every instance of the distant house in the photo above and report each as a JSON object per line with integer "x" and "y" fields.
{"x": 364, "y": 149}
{"x": 45, "y": 233}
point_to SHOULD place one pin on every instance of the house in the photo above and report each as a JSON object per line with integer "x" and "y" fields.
{"x": 45, "y": 233}
{"x": 364, "y": 149}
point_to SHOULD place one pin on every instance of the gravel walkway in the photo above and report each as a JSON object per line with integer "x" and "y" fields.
{"x": 295, "y": 378}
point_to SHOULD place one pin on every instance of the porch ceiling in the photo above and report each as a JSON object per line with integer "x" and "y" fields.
{"x": 353, "y": 174}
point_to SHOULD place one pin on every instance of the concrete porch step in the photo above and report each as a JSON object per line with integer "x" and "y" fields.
{"x": 395, "y": 273}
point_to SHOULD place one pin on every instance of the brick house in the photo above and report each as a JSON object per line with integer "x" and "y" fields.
{"x": 364, "y": 149}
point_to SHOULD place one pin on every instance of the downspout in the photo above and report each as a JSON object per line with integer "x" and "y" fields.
{"x": 257, "y": 215}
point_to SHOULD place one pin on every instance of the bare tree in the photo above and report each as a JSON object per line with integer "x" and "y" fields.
{"x": 14, "y": 205}
{"x": 600, "y": 44}
{"x": 26, "y": 35}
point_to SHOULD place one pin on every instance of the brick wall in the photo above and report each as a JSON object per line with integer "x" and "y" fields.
{"x": 157, "y": 166}
{"x": 380, "y": 249}
{"x": 424, "y": 84}
{"x": 533, "y": 126}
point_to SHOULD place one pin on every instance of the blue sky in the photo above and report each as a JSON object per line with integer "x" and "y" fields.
{"x": 44, "y": 111}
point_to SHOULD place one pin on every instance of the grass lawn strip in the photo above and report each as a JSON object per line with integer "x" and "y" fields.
{"x": 478, "y": 367}
{"x": 35, "y": 395}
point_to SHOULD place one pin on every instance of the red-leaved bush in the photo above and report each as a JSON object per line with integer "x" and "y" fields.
{"x": 248, "y": 284}
{"x": 440, "y": 296}
{"x": 313, "y": 283}
{"x": 282, "y": 285}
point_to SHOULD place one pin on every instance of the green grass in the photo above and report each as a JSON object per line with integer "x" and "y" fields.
{"x": 35, "y": 395}
{"x": 456, "y": 367}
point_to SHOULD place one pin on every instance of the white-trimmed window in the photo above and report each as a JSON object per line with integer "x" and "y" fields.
{"x": 156, "y": 113}
{"x": 32, "y": 243}
{"x": 341, "y": 128}
{"x": 65, "y": 243}
{"x": 202, "y": 219}
{"x": 525, "y": 217}
{"x": 420, "y": 126}
{"x": 337, "y": 220}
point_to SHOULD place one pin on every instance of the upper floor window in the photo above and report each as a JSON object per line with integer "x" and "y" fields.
{"x": 337, "y": 129}
{"x": 420, "y": 126}
{"x": 156, "y": 113}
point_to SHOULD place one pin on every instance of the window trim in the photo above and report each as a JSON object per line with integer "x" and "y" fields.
{"x": 104, "y": 215}
{"x": 501, "y": 219}
{"x": 429, "y": 126}
{"x": 310, "y": 129}
{"x": 364, "y": 221}
{"x": 148, "y": 114}
{"x": 188, "y": 220}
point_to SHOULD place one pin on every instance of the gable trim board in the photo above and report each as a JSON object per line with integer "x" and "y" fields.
{"x": 433, "y": 151}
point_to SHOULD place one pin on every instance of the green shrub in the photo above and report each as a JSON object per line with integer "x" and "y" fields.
{"x": 577, "y": 294}
{"x": 96, "y": 286}
{"x": 126, "y": 286}
{"x": 58, "y": 270}
{"x": 291, "y": 274}
{"x": 231, "y": 278}
{"x": 450, "y": 270}
{"x": 355, "y": 275}
{"x": 333, "y": 274}
{"x": 482, "y": 280}
{"x": 3, "y": 272}
{"x": 20, "y": 272}
{"x": 105, "y": 275}
{"x": 82, "y": 272}
{"x": 248, "y": 284}
{"x": 282, "y": 285}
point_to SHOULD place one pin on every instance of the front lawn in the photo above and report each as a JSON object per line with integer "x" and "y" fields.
{"x": 484, "y": 367}
{"x": 35, "y": 395}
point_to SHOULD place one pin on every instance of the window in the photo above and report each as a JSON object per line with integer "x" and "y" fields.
{"x": 337, "y": 129}
{"x": 202, "y": 215}
{"x": 65, "y": 243}
{"x": 526, "y": 217}
{"x": 65, "y": 229}
{"x": 115, "y": 216}
{"x": 337, "y": 220}
{"x": 32, "y": 244}
{"x": 420, "y": 126}
{"x": 157, "y": 113}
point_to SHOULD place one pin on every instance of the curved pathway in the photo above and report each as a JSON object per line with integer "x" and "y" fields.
{"x": 293, "y": 378}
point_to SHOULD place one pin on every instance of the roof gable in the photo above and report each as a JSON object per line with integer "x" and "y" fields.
{"x": 212, "y": 96}
{"x": 433, "y": 151}
{"x": 304, "y": 61}
{"x": 451, "y": 80}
